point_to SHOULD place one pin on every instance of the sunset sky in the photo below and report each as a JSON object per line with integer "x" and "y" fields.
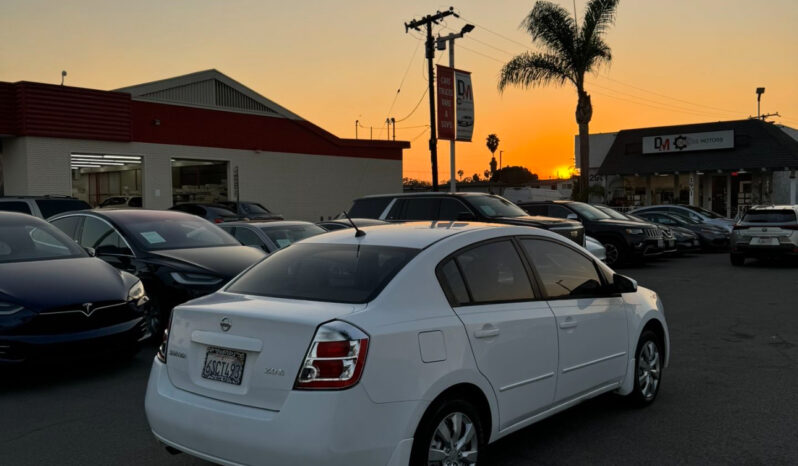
{"x": 334, "y": 62}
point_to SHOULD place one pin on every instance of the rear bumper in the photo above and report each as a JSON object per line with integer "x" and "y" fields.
{"x": 784, "y": 249}
{"x": 45, "y": 348}
{"x": 324, "y": 427}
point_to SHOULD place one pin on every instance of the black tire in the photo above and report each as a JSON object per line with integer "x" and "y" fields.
{"x": 433, "y": 418}
{"x": 154, "y": 316}
{"x": 616, "y": 252}
{"x": 647, "y": 383}
{"x": 737, "y": 259}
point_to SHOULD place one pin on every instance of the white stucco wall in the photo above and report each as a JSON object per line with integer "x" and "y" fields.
{"x": 599, "y": 147}
{"x": 299, "y": 186}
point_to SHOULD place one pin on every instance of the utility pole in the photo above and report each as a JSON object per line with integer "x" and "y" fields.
{"x": 441, "y": 45}
{"x": 428, "y": 21}
{"x": 357, "y": 122}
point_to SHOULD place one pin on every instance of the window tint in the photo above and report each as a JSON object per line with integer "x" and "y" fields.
{"x": 286, "y": 235}
{"x": 494, "y": 273}
{"x": 558, "y": 211}
{"x": 50, "y": 207}
{"x": 94, "y": 233}
{"x": 452, "y": 209}
{"x": 419, "y": 209}
{"x": 176, "y": 232}
{"x": 770, "y": 216}
{"x": 663, "y": 219}
{"x": 15, "y": 206}
{"x": 34, "y": 241}
{"x": 563, "y": 271}
{"x": 68, "y": 225}
{"x": 452, "y": 283}
{"x": 247, "y": 237}
{"x": 537, "y": 209}
{"x": 346, "y": 273}
{"x": 495, "y": 206}
{"x": 369, "y": 208}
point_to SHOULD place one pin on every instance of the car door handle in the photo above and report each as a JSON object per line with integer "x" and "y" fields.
{"x": 486, "y": 332}
{"x": 568, "y": 324}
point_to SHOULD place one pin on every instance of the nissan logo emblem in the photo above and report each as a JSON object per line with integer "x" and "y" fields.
{"x": 225, "y": 324}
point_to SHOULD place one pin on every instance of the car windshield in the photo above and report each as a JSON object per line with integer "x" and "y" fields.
{"x": 181, "y": 232}
{"x": 588, "y": 211}
{"x": 344, "y": 273}
{"x": 35, "y": 242}
{"x": 495, "y": 206}
{"x": 705, "y": 212}
{"x": 285, "y": 235}
{"x": 770, "y": 216}
{"x": 612, "y": 212}
{"x": 683, "y": 218}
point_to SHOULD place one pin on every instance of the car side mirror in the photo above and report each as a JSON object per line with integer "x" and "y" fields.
{"x": 466, "y": 217}
{"x": 91, "y": 252}
{"x": 572, "y": 217}
{"x": 624, "y": 284}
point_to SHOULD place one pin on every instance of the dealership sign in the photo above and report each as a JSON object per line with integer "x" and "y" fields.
{"x": 455, "y": 121}
{"x": 445, "y": 102}
{"x": 689, "y": 142}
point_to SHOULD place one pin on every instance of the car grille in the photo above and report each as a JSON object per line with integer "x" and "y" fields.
{"x": 668, "y": 234}
{"x": 76, "y": 318}
{"x": 653, "y": 233}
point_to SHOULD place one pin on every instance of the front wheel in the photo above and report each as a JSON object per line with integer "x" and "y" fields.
{"x": 615, "y": 252}
{"x": 449, "y": 435}
{"x": 648, "y": 369}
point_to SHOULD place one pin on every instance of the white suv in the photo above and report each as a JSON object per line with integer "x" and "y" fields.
{"x": 765, "y": 231}
{"x": 414, "y": 343}
{"x": 41, "y": 206}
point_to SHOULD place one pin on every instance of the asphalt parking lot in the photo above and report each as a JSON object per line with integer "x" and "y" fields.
{"x": 728, "y": 397}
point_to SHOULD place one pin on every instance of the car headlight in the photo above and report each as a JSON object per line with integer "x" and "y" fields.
{"x": 6, "y": 309}
{"x": 634, "y": 231}
{"x": 136, "y": 291}
{"x": 184, "y": 278}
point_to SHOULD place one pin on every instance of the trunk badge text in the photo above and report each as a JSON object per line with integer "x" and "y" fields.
{"x": 273, "y": 371}
{"x": 225, "y": 324}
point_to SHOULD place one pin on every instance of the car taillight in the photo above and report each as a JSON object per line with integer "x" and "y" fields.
{"x": 163, "y": 347}
{"x": 218, "y": 220}
{"x": 335, "y": 359}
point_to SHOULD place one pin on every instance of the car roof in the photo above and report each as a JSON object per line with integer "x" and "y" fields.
{"x": 267, "y": 223}
{"x": 428, "y": 194}
{"x": 18, "y": 219}
{"x": 125, "y": 214}
{"x": 416, "y": 235}
{"x": 774, "y": 207}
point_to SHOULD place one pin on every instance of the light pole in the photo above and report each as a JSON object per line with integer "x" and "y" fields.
{"x": 759, "y": 92}
{"x": 440, "y": 43}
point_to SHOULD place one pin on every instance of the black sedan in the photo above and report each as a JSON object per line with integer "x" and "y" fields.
{"x": 271, "y": 236}
{"x": 57, "y": 300}
{"x": 177, "y": 256}
{"x": 215, "y": 213}
{"x": 710, "y": 236}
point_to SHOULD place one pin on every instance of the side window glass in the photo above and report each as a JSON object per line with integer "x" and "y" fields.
{"x": 452, "y": 283}
{"x": 15, "y": 206}
{"x": 68, "y": 225}
{"x": 396, "y": 210}
{"x": 564, "y": 272}
{"x": 452, "y": 209}
{"x": 558, "y": 211}
{"x": 248, "y": 237}
{"x": 94, "y": 233}
{"x": 114, "y": 244}
{"x": 536, "y": 210}
{"x": 420, "y": 209}
{"x": 494, "y": 273}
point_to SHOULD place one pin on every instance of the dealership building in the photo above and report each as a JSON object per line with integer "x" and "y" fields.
{"x": 723, "y": 166}
{"x": 201, "y": 137}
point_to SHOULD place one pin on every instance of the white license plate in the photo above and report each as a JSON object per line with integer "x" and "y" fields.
{"x": 757, "y": 241}
{"x": 224, "y": 365}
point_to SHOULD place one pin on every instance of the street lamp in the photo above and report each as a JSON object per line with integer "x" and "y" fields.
{"x": 759, "y": 92}
{"x": 440, "y": 44}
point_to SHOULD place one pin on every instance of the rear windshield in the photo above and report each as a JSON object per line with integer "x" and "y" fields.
{"x": 770, "y": 216}
{"x": 50, "y": 207}
{"x": 369, "y": 208}
{"x": 342, "y": 273}
{"x": 285, "y": 235}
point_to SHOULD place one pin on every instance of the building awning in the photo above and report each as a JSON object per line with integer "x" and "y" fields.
{"x": 724, "y": 145}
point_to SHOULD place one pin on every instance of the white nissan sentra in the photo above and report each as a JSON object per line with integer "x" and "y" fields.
{"x": 415, "y": 343}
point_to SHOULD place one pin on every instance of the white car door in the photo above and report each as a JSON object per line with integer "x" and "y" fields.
{"x": 513, "y": 337}
{"x": 592, "y": 323}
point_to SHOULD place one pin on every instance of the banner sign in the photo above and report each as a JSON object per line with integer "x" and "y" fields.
{"x": 445, "y": 102}
{"x": 465, "y": 105}
{"x": 688, "y": 142}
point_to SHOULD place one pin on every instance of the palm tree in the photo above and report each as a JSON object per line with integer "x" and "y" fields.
{"x": 460, "y": 173}
{"x": 569, "y": 53}
{"x": 492, "y": 141}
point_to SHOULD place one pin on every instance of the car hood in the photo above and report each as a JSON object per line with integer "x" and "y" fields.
{"x": 535, "y": 221}
{"x": 38, "y": 285}
{"x": 224, "y": 261}
{"x": 624, "y": 223}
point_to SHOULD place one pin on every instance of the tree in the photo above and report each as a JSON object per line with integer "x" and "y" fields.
{"x": 515, "y": 175}
{"x": 492, "y": 141}
{"x": 569, "y": 53}
{"x": 460, "y": 174}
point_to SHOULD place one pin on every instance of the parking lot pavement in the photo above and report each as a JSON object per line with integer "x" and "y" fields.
{"x": 727, "y": 398}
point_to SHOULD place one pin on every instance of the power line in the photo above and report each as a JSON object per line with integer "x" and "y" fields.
{"x": 409, "y": 65}
{"x": 416, "y": 107}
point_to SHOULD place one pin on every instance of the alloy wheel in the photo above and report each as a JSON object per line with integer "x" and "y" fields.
{"x": 454, "y": 442}
{"x": 649, "y": 366}
{"x": 612, "y": 253}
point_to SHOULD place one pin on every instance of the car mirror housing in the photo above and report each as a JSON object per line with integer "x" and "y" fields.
{"x": 624, "y": 284}
{"x": 91, "y": 252}
{"x": 572, "y": 217}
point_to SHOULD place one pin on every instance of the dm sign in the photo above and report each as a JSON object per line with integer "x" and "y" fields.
{"x": 689, "y": 142}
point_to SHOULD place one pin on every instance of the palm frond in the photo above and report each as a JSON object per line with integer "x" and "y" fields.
{"x": 599, "y": 15}
{"x": 551, "y": 24}
{"x": 532, "y": 69}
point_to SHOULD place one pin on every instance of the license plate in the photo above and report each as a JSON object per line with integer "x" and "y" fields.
{"x": 660, "y": 243}
{"x": 765, "y": 241}
{"x": 224, "y": 365}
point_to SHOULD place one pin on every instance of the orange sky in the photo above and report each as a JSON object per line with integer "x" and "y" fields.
{"x": 676, "y": 61}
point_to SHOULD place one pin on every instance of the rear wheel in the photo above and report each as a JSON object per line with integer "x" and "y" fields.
{"x": 737, "y": 259}
{"x": 450, "y": 434}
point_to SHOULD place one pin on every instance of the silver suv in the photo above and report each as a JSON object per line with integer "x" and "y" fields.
{"x": 765, "y": 231}
{"x": 41, "y": 206}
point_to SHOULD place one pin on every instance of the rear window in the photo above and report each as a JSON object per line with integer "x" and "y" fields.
{"x": 343, "y": 273}
{"x": 15, "y": 206}
{"x": 369, "y": 208}
{"x": 770, "y": 216}
{"x": 50, "y": 207}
